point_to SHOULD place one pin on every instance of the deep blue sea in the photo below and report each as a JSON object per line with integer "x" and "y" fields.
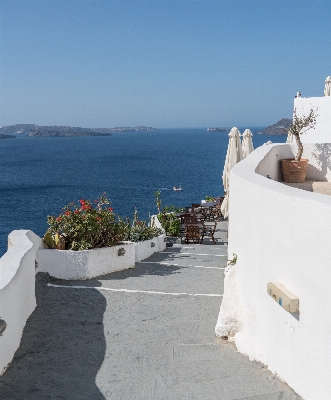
{"x": 41, "y": 175}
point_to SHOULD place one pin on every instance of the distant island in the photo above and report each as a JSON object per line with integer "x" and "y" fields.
{"x": 64, "y": 131}
{"x": 217, "y": 129}
{"x": 6, "y": 136}
{"x": 277, "y": 128}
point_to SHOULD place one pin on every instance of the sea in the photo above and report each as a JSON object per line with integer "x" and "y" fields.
{"x": 38, "y": 176}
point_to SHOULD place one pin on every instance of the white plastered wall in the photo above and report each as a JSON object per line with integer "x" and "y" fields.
{"x": 17, "y": 290}
{"x": 280, "y": 234}
{"x": 322, "y": 131}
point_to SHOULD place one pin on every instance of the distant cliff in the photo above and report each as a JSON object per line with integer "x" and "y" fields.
{"x": 59, "y": 131}
{"x": 277, "y": 128}
{"x": 55, "y": 133}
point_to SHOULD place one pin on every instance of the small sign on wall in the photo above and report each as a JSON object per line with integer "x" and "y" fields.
{"x": 283, "y": 297}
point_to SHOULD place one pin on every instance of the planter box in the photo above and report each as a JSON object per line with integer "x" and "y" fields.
{"x": 161, "y": 242}
{"x": 86, "y": 264}
{"x": 146, "y": 248}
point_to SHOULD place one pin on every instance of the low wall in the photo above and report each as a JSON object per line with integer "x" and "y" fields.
{"x": 86, "y": 264}
{"x": 146, "y": 248}
{"x": 17, "y": 290}
{"x": 279, "y": 234}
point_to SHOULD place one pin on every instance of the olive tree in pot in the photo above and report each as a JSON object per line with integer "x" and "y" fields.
{"x": 295, "y": 170}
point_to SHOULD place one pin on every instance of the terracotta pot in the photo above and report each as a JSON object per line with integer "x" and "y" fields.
{"x": 294, "y": 171}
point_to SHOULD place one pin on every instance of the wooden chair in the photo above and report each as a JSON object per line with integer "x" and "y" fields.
{"x": 209, "y": 230}
{"x": 189, "y": 220}
{"x": 193, "y": 233}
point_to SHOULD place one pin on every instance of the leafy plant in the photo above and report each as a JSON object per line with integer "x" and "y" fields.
{"x": 139, "y": 231}
{"x": 83, "y": 226}
{"x": 210, "y": 198}
{"x": 157, "y": 195}
{"x": 172, "y": 209}
{"x": 301, "y": 124}
{"x": 169, "y": 223}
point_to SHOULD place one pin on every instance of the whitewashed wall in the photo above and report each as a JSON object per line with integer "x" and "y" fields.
{"x": 322, "y": 131}
{"x": 280, "y": 234}
{"x": 17, "y": 290}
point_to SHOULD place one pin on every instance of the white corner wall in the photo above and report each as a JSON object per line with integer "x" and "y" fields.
{"x": 280, "y": 234}
{"x": 322, "y": 131}
{"x": 17, "y": 290}
{"x": 318, "y": 155}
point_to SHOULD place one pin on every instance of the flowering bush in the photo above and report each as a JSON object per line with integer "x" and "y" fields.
{"x": 83, "y": 226}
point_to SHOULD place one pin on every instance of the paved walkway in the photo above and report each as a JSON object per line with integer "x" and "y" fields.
{"x": 144, "y": 333}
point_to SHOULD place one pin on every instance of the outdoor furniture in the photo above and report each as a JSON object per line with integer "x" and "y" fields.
{"x": 209, "y": 230}
{"x": 196, "y": 207}
{"x": 194, "y": 233}
{"x": 192, "y": 220}
{"x": 207, "y": 213}
{"x": 216, "y": 213}
{"x": 205, "y": 203}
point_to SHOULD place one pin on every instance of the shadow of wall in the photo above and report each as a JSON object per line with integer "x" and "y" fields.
{"x": 319, "y": 161}
{"x": 62, "y": 348}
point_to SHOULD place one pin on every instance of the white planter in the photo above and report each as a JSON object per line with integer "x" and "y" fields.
{"x": 146, "y": 248}
{"x": 85, "y": 264}
{"x": 161, "y": 242}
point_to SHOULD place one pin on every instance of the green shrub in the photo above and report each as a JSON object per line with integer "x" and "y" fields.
{"x": 210, "y": 198}
{"x": 139, "y": 232}
{"x": 169, "y": 223}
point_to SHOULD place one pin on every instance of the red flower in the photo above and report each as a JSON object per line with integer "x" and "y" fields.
{"x": 76, "y": 211}
{"x": 110, "y": 209}
{"x": 68, "y": 212}
{"x": 58, "y": 218}
{"x": 82, "y": 202}
{"x": 98, "y": 219}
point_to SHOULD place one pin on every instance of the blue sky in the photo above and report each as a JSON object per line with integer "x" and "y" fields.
{"x": 165, "y": 64}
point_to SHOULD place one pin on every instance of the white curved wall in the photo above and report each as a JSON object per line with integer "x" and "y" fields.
{"x": 17, "y": 290}
{"x": 280, "y": 234}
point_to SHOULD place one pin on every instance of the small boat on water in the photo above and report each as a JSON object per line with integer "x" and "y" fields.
{"x": 176, "y": 188}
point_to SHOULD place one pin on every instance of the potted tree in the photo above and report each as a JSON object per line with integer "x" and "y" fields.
{"x": 295, "y": 170}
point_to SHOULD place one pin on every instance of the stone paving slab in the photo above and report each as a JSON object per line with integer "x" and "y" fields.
{"x": 85, "y": 343}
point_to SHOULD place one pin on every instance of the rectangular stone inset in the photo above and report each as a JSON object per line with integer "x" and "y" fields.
{"x": 283, "y": 297}
{"x": 198, "y": 352}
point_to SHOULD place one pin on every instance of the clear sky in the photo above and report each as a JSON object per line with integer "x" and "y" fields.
{"x": 105, "y": 63}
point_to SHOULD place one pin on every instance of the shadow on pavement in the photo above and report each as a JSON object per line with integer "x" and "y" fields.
{"x": 62, "y": 347}
{"x": 138, "y": 271}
